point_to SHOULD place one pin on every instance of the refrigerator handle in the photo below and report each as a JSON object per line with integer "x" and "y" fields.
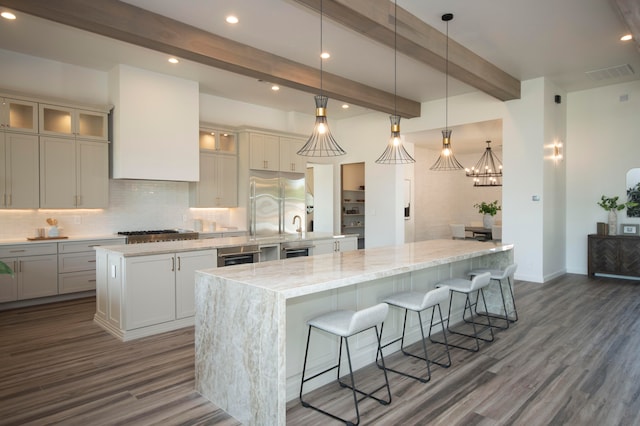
{"x": 252, "y": 208}
{"x": 281, "y": 207}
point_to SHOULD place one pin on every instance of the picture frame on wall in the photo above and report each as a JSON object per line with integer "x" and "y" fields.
{"x": 629, "y": 229}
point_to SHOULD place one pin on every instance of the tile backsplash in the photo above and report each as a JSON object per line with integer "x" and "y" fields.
{"x": 133, "y": 205}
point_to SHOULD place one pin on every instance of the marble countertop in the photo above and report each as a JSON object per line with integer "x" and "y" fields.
{"x": 13, "y": 241}
{"x": 307, "y": 275}
{"x": 129, "y": 250}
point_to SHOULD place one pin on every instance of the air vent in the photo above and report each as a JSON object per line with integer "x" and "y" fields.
{"x": 611, "y": 72}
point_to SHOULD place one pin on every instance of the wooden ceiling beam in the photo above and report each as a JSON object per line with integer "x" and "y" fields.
{"x": 416, "y": 39}
{"x": 124, "y": 22}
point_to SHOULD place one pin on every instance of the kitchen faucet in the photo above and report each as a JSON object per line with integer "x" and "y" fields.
{"x": 299, "y": 228}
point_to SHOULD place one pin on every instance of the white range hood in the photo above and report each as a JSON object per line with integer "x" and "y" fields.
{"x": 155, "y": 126}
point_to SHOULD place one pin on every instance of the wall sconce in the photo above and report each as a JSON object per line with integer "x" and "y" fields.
{"x": 557, "y": 151}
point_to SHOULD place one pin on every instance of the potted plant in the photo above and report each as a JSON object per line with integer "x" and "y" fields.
{"x": 4, "y": 269}
{"x": 611, "y": 205}
{"x": 488, "y": 210}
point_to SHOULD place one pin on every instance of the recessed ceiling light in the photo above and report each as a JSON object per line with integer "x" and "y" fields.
{"x": 8, "y": 15}
{"x": 232, "y": 19}
{"x": 325, "y": 55}
{"x": 345, "y": 106}
{"x": 275, "y": 87}
{"x": 173, "y": 60}
{"x": 626, "y": 37}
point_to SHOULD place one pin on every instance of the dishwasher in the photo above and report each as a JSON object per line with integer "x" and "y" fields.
{"x": 238, "y": 255}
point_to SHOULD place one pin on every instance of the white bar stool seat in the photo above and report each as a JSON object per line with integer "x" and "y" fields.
{"x": 418, "y": 302}
{"x": 470, "y": 288}
{"x": 498, "y": 275}
{"x": 345, "y": 324}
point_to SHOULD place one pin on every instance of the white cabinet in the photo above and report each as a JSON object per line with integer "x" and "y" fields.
{"x": 218, "y": 185}
{"x": 73, "y": 173}
{"x": 18, "y": 115}
{"x": 264, "y": 152}
{"x": 19, "y": 176}
{"x": 290, "y": 161}
{"x": 69, "y": 121}
{"x": 335, "y": 245}
{"x": 77, "y": 264}
{"x": 143, "y": 295}
{"x": 220, "y": 141}
{"x": 35, "y": 270}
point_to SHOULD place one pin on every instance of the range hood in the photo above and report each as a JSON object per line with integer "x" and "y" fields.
{"x": 155, "y": 126}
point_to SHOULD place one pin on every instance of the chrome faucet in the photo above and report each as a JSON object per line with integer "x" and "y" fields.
{"x": 299, "y": 228}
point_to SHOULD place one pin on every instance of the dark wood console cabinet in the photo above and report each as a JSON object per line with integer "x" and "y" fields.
{"x": 614, "y": 254}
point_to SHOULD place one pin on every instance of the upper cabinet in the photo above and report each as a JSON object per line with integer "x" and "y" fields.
{"x": 264, "y": 152}
{"x": 290, "y": 161}
{"x": 19, "y": 171}
{"x": 276, "y": 153}
{"x": 218, "y": 141}
{"x": 18, "y": 116}
{"x": 72, "y": 122}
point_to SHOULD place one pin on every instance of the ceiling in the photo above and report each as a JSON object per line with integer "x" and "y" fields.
{"x": 559, "y": 40}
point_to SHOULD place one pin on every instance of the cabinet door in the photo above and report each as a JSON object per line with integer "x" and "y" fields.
{"x": 603, "y": 255}
{"x": 37, "y": 276}
{"x": 290, "y": 161}
{"x": 57, "y": 173}
{"x": 18, "y": 115}
{"x": 22, "y": 171}
{"x": 264, "y": 152}
{"x": 187, "y": 264}
{"x": 56, "y": 120}
{"x": 227, "y": 180}
{"x": 90, "y": 125}
{"x": 347, "y": 244}
{"x": 149, "y": 290}
{"x": 204, "y": 192}
{"x": 92, "y": 174}
{"x": 323, "y": 247}
{"x": 8, "y": 283}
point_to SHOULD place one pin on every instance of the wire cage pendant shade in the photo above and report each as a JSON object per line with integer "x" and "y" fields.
{"x": 321, "y": 143}
{"x": 488, "y": 169}
{"x": 395, "y": 153}
{"x": 446, "y": 160}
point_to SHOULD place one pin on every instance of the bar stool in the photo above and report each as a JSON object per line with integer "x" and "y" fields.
{"x": 419, "y": 302}
{"x": 498, "y": 275}
{"x": 346, "y": 324}
{"x": 475, "y": 286}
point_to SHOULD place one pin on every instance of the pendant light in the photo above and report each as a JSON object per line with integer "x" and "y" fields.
{"x": 321, "y": 143}
{"x": 395, "y": 153}
{"x": 446, "y": 161}
{"x": 488, "y": 169}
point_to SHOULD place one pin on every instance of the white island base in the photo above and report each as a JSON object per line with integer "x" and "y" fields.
{"x": 250, "y": 325}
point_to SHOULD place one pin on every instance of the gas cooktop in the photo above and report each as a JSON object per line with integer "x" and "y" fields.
{"x": 150, "y": 236}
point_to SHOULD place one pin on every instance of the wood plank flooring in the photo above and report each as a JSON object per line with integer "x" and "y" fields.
{"x": 571, "y": 359}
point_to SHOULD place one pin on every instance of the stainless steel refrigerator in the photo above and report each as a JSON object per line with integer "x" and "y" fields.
{"x": 275, "y": 198}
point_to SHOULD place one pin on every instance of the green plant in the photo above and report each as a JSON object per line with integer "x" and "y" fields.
{"x": 488, "y": 208}
{"x": 611, "y": 203}
{"x": 4, "y": 269}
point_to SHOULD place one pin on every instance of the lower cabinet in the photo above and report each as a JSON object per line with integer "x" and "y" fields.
{"x": 77, "y": 264}
{"x": 142, "y": 292}
{"x": 335, "y": 245}
{"x": 614, "y": 254}
{"x": 35, "y": 270}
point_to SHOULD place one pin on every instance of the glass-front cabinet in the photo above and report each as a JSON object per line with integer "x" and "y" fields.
{"x": 66, "y": 121}
{"x": 18, "y": 115}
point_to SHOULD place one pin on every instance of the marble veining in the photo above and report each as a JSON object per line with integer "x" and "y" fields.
{"x": 241, "y": 315}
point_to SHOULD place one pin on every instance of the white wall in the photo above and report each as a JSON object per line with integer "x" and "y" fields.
{"x": 603, "y": 134}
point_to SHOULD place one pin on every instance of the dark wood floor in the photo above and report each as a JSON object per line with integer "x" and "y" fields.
{"x": 573, "y": 358}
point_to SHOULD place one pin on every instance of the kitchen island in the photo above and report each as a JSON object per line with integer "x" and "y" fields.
{"x": 145, "y": 289}
{"x": 251, "y": 319}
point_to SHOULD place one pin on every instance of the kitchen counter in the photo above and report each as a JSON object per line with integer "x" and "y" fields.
{"x": 14, "y": 241}
{"x": 251, "y": 319}
{"x": 165, "y": 247}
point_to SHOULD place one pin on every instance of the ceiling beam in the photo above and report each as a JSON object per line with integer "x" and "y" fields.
{"x": 416, "y": 39}
{"x": 629, "y": 11}
{"x": 124, "y": 22}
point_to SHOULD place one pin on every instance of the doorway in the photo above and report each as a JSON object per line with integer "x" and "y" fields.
{"x": 353, "y": 198}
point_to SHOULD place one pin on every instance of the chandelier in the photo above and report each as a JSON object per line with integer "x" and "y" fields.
{"x": 488, "y": 169}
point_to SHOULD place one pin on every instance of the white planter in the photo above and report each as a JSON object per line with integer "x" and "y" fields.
{"x": 487, "y": 221}
{"x": 613, "y": 222}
